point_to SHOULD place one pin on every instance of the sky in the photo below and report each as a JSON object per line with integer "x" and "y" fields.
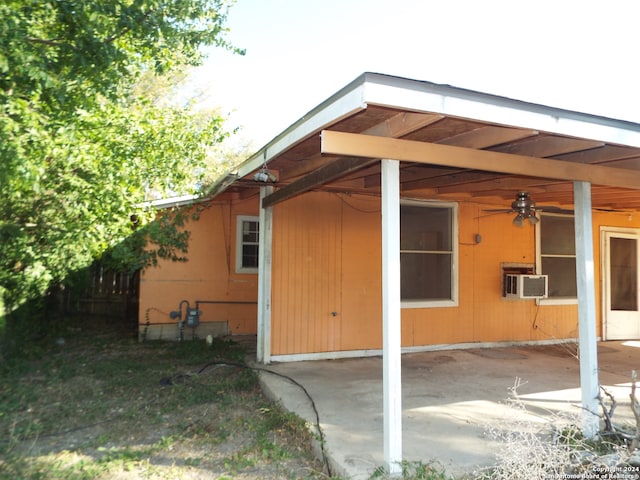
{"x": 581, "y": 55}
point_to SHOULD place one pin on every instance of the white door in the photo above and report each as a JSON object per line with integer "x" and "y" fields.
{"x": 621, "y": 309}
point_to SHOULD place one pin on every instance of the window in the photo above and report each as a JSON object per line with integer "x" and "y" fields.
{"x": 247, "y": 242}
{"x": 428, "y": 254}
{"x": 557, "y": 255}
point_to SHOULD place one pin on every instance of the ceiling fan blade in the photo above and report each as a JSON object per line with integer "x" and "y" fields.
{"x": 552, "y": 209}
{"x": 614, "y": 210}
{"x": 523, "y": 204}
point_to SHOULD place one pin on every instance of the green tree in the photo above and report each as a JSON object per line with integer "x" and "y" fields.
{"x": 81, "y": 142}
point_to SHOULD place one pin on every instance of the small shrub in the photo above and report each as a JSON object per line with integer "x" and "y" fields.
{"x": 555, "y": 448}
{"x": 414, "y": 471}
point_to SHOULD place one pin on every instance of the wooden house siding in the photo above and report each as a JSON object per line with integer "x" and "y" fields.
{"x": 326, "y": 257}
{"x": 208, "y": 276}
{"x": 326, "y": 279}
{"x": 307, "y": 275}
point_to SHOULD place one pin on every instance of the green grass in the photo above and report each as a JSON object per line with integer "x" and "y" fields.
{"x": 414, "y": 471}
{"x": 98, "y": 405}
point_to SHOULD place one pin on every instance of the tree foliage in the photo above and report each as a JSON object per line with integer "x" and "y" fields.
{"x": 81, "y": 144}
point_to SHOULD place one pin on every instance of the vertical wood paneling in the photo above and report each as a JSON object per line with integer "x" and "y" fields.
{"x": 306, "y": 274}
{"x": 361, "y": 315}
{"x": 207, "y": 275}
{"x": 327, "y": 258}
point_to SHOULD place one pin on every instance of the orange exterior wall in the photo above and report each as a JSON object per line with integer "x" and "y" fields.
{"x": 208, "y": 275}
{"x": 326, "y": 279}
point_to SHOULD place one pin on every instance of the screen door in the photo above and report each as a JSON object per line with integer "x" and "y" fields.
{"x": 622, "y": 317}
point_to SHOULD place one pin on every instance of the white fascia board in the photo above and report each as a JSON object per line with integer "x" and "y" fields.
{"x": 345, "y": 103}
{"x": 395, "y": 92}
{"x": 172, "y": 201}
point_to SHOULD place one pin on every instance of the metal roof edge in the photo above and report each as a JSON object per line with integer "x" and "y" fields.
{"x": 345, "y": 102}
{"x": 420, "y": 95}
{"x": 371, "y": 88}
{"x": 171, "y": 202}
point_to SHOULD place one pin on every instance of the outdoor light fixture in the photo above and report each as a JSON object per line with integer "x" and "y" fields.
{"x": 265, "y": 176}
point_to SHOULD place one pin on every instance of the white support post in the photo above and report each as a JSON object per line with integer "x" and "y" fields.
{"x": 588, "y": 346}
{"x": 391, "y": 343}
{"x": 263, "y": 352}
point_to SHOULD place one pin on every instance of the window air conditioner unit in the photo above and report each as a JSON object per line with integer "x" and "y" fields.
{"x": 526, "y": 286}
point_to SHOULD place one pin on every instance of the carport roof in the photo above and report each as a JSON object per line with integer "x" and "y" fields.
{"x": 453, "y": 143}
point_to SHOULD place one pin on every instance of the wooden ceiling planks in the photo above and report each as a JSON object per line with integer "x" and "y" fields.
{"x": 466, "y": 180}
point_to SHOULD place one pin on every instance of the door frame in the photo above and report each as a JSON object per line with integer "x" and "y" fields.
{"x": 604, "y": 268}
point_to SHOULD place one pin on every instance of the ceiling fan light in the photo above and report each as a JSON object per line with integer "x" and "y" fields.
{"x": 518, "y": 220}
{"x": 533, "y": 219}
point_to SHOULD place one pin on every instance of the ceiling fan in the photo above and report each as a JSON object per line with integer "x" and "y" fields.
{"x": 525, "y": 209}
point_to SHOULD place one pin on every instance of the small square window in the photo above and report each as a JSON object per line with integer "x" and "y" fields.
{"x": 247, "y": 243}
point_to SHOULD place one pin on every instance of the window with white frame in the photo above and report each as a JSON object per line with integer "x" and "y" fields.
{"x": 247, "y": 242}
{"x": 428, "y": 254}
{"x": 557, "y": 255}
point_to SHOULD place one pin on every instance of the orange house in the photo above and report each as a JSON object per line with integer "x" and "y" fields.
{"x": 387, "y": 213}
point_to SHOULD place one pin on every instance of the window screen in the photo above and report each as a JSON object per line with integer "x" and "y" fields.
{"x": 558, "y": 254}
{"x": 426, "y": 252}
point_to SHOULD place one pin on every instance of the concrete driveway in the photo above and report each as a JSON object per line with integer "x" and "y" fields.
{"x": 450, "y": 400}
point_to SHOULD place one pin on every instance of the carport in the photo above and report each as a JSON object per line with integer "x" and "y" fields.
{"x": 393, "y": 137}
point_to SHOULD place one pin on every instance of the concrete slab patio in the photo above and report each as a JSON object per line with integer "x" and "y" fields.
{"x": 450, "y": 400}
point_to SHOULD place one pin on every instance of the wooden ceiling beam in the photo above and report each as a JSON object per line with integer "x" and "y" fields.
{"x": 336, "y": 169}
{"x": 367, "y": 146}
{"x": 488, "y": 136}
{"x": 509, "y": 183}
{"x": 439, "y": 181}
{"x": 302, "y": 167}
{"x": 363, "y": 175}
{"x": 482, "y": 137}
{"x": 396, "y": 126}
{"x": 402, "y": 124}
{"x": 548, "y": 146}
{"x": 630, "y": 163}
{"x": 606, "y": 154}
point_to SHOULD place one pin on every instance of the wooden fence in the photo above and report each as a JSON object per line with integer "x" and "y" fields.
{"x": 110, "y": 295}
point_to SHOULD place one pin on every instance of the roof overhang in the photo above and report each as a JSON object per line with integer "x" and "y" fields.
{"x": 461, "y": 143}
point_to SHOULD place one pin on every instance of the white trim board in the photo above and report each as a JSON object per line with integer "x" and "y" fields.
{"x": 303, "y": 357}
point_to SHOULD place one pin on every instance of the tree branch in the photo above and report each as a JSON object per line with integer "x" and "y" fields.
{"x": 607, "y": 413}
{"x": 52, "y": 43}
{"x": 126, "y": 30}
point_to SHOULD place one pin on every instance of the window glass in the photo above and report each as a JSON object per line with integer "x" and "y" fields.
{"x": 562, "y": 276}
{"x": 426, "y": 252}
{"x": 249, "y": 256}
{"x": 624, "y": 277}
{"x": 425, "y": 228}
{"x": 250, "y": 231}
{"x": 248, "y": 240}
{"x": 558, "y": 235}
{"x": 557, "y": 255}
{"x": 425, "y": 276}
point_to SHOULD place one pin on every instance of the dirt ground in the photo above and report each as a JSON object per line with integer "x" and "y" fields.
{"x": 95, "y": 406}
